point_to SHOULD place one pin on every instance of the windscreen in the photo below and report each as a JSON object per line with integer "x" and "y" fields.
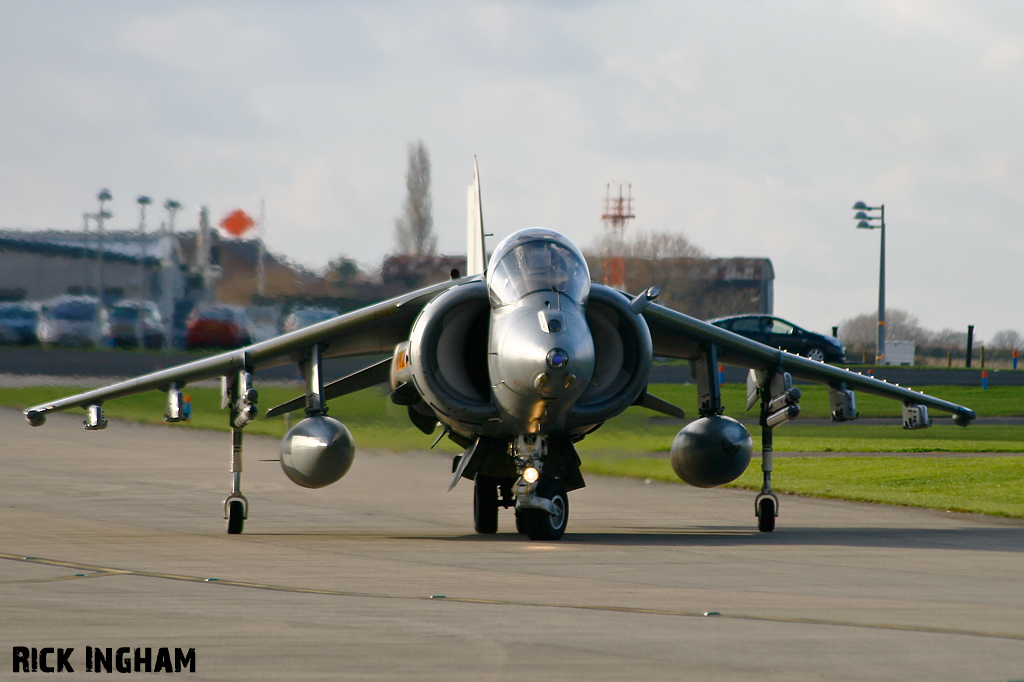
{"x": 217, "y": 314}
{"x": 16, "y": 314}
{"x": 74, "y": 312}
{"x": 125, "y": 314}
{"x": 538, "y": 265}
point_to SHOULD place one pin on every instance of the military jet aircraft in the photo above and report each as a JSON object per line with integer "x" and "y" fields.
{"x": 516, "y": 362}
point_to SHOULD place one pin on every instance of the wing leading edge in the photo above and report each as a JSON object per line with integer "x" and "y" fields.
{"x": 676, "y": 335}
{"x": 371, "y": 330}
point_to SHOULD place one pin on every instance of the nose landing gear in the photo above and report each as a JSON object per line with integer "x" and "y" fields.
{"x": 549, "y": 521}
{"x": 542, "y": 503}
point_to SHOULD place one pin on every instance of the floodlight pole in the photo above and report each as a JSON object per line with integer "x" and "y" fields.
{"x": 863, "y": 217}
{"x": 143, "y": 202}
{"x": 880, "y": 354}
{"x": 103, "y": 197}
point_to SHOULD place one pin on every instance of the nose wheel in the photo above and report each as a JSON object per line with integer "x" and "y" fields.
{"x": 541, "y": 524}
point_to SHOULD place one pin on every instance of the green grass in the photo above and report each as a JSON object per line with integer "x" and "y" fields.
{"x": 983, "y": 485}
{"x": 848, "y": 437}
{"x": 625, "y": 445}
{"x": 997, "y": 401}
{"x": 374, "y": 421}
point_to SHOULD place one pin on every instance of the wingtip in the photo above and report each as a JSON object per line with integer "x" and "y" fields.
{"x": 35, "y": 417}
{"x": 964, "y": 418}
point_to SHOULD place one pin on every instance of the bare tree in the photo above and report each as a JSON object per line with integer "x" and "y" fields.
{"x": 678, "y": 267}
{"x": 1007, "y": 339}
{"x": 653, "y": 246}
{"x": 414, "y": 230}
{"x": 952, "y": 339}
{"x": 861, "y": 332}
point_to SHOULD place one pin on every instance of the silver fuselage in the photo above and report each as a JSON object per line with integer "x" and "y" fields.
{"x": 540, "y": 360}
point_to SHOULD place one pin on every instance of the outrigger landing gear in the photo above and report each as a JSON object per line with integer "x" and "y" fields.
{"x": 240, "y": 397}
{"x": 766, "y": 504}
{"x": 236, "y": 506}
{"x": 778, "y": 405}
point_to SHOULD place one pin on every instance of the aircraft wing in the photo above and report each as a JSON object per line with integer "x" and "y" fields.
{"x": 676, "y": 335}
{"x": 374, "y": 329}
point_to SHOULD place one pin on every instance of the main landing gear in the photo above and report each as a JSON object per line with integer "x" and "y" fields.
{"x": 489, "y": 495}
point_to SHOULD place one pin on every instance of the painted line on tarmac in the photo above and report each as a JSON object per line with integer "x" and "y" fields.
{"x": 103, "y": 571}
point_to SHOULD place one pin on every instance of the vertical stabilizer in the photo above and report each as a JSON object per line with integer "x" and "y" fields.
{"x": 476, "y": 253}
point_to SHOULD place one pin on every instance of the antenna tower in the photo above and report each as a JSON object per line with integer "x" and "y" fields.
{"x": 618, "y": 211}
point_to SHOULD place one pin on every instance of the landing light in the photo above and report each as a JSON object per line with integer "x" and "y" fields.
{"x": 530, "y": 475}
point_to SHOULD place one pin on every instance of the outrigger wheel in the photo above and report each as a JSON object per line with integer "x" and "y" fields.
{"x": 236, "y": 517}
{"x": 766, "y": 514}
{"x": 539, "y": 524}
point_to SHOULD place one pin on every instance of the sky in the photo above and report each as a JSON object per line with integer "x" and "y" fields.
{"x": 750, "y": 127}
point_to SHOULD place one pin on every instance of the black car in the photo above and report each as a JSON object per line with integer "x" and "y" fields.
{"x": 778, "y": 333}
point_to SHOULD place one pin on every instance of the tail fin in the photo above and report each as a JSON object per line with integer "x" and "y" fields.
{"x": 476, "y": 252}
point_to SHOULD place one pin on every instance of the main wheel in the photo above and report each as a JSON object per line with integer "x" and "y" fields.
{"x": 520, "y": 524}
{"x": 485, "y": 504}
{"x": 766, "y": 515}
{"x": 540, "y": 525}
{"x": 236, "y": 517}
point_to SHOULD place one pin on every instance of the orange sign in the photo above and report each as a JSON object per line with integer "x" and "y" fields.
{"x": 237, "y": 223}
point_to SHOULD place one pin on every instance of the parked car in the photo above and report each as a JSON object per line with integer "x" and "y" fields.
{"x": 778, "y": 333}
{"x": 19, "y": 323}
{"x": 132, "y": 323}
{"x": 217, "y": 326}
{"x": 305, "y": 316}
{"x": 264, "y": 322}
{"x": 72, "y": 321}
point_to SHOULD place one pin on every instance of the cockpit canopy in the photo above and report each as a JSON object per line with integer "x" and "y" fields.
{"x": 537, "y": 259}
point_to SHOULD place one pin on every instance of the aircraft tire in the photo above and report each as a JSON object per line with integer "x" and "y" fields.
{"x": 540, "y": 525}
{"x": 766, "y": 515}
{"x": 485, "y": 505}
{"x": 236, "y": 517}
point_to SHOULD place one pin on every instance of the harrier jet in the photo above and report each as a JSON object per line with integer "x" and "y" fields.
{"x": 515, "y": 362}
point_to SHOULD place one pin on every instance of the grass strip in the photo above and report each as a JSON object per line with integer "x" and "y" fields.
{"x": 982, "y": 485}
{"x": 990, "y": 485}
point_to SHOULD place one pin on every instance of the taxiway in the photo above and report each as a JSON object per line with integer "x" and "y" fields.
{"x": 115, "y": 538}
